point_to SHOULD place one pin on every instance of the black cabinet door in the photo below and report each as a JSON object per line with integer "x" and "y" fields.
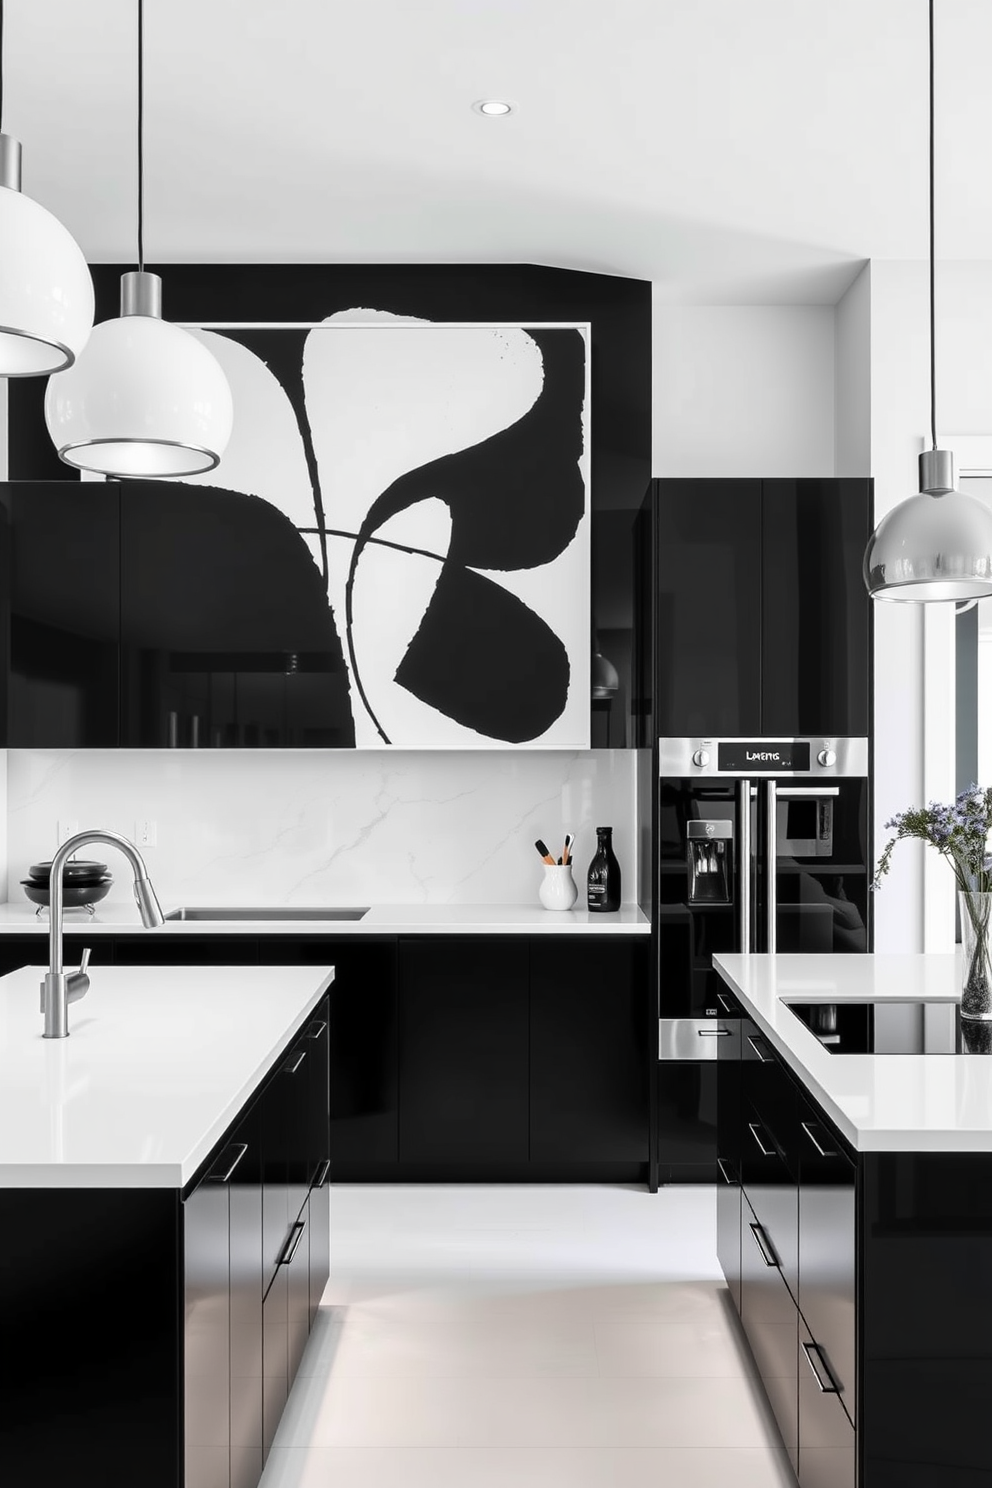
{"x": 364, "y": 1055}
{"x": 589, "y": 1098}
{"x": 728, "y": 1144}
{"x": 687, "y": 1117}
{"x": 815, "y": 638}
{"x": 362, "y": 1041}
{"x": 60, "y": 559}
{"x": 827, "y": 1247}
{"x": 285, "y": 1154}
{"x": 771, "y": 1322}
{"x": 463, "y": 1050}
{"x": 297, "y": 1265}
{"x": 827, "y": 1456}
{"x": 227, "y": 636}
{"x": 769, "y": 1142}
{"x": 707, "y": 607}
{"x": 275, "y": 1355}
{"x": 207, "y": 1329}
{"x": 245, "y": 1187}
{"x": 319, "y": 1137}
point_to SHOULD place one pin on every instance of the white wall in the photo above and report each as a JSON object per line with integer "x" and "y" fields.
{"x": 743, "y": 390}
{"x": 914, "y": 646}
{"x": 852, "y": 378}
{"x": 346, "y": 827}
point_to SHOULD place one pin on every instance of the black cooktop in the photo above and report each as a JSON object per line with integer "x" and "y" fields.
{"x": 893, "y": 1027}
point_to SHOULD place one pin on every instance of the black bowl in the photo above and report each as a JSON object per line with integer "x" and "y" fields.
{"x": 77, "y": 869}
{"x": 72, "y": 895}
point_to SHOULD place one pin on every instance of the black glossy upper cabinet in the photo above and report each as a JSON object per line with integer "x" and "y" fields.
{"x": 707, "y": 616}
{"x": 227, "y": 636}
{"x": 815, "y": 608}
{"x": 761, "y": 621}
{"x": 59, "y": 551}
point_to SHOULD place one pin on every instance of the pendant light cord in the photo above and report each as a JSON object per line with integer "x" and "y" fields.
{"x": 141, "y": 130}
{"x": 933, "y": 354}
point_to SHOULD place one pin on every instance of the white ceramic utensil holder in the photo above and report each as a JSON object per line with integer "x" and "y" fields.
{"x": 558, "y": 889}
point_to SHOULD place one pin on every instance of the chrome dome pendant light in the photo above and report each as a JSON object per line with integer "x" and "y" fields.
{"x": 146, "y": 399}
{"x": 937, "y": 546}
{"x": 46, "y": 293}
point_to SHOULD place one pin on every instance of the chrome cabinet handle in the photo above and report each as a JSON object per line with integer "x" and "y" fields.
{"x": 292, "y": 1064}
{"x": 293, "y": 1243}
{"x": 771, "y": 858}
{"x": 316, "y": 1028}
{"x": 823, "y": 1151}
{"x": 722, "y": 1167}
{"x": 753, "y": 1041}
{"x": 321, "y": 1177}
{"x": 763, "y": 1246}
{"x": 713, "y": 1032}
{"x": 239, "y": 1149}
{"x": 744, "y": 856}
{"x": 725, "y": 1003}
{"x": 811, "y": 1349}
{"x": 754, "y": 1129}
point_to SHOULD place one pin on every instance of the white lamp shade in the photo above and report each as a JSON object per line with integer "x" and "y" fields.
{"x": 931, "y": 548}
{"x": 46, "y": 292}
{"x": 145, "y": 399}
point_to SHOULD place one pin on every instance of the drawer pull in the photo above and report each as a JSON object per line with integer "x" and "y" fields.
{"x": 763, "y": 1246}
{"x": 755, "y": 1131}
{"x": 811, "y": 1350}
{"x": 823, "y": 1151}
{"x": 239, "y": 1149}
{"x": 293, "y": 1243}
{"x": 316, "y": 1028}
{"x": 753, "y": 1041}
{"x": 321, "y": 1177}
{"x": 713, "y": 1032}
{"x": 722, "y": 1166}
{"x": 725, "y": 1002}
{"x": 293, "y": 1062}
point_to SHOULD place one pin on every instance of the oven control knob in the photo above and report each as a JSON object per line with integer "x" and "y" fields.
{"x": 701, "y": 758}
{"x": 826, "y": 758}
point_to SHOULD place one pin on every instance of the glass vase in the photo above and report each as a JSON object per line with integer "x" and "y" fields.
{"x": 976, "y": 992}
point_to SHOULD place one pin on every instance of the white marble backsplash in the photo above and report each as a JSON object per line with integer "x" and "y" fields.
{"x": 364, "y": 827}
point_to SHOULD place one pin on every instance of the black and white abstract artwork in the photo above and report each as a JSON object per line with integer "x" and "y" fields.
{"x": 438, "y": 475}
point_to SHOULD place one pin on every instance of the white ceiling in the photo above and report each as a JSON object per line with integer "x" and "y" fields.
{"x": 735, "y": 150}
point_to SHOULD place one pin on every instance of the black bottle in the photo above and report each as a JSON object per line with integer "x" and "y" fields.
{"x": 603, "y": 892}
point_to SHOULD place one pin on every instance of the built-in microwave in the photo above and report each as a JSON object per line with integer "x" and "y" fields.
{"x": 804, "y": 823}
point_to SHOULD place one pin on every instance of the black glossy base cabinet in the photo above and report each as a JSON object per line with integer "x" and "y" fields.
{"x": 151, "y": 1336}
{"x": 459, "y": 1058}
{"x": 860, "y": 1283}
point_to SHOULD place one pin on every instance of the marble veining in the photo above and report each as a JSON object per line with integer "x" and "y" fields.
{"x": 296, "y": 827}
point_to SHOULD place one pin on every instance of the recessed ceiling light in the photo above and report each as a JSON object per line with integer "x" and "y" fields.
{"x": 492, "y": 107}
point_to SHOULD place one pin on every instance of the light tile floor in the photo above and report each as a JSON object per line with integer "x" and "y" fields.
{"x": 525, "y": 1337}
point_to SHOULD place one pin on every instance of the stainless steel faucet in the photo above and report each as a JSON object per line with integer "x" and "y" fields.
{"x": 59, "y": 989}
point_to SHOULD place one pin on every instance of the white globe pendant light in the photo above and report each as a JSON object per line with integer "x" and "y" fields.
{"x": 935, "y": 547}
{"x": 145, "y": 399}
{"x": 46, "y": 292}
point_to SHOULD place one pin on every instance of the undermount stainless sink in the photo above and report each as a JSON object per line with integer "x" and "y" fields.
{"x": 284, "y": 913}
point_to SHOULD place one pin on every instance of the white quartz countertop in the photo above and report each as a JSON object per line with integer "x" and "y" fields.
{"x": 118, "y": 916}
{"x": 157, "y": 1064}
{"x": 879, "y": 1102}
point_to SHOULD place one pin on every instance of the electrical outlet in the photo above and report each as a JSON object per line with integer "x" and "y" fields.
{"x": 64, "y": 829}
{"x": 146, "y": 833}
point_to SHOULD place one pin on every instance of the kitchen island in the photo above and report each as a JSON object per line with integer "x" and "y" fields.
{"x": 164, "y": 1217}
{"x": 854, "y": 1213}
